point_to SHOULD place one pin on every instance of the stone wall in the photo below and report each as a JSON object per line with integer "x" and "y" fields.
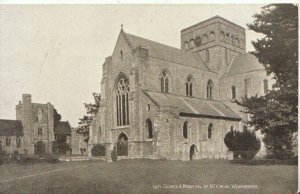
{"x": 13, "y": 144}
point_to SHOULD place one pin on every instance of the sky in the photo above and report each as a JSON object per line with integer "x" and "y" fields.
{"x": 56, "y": 52}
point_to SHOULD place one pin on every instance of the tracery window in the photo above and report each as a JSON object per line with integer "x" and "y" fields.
{"x": 122, "y": 103}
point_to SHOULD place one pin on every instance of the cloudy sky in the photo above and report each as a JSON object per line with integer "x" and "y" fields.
{"x": 55, "y": 52}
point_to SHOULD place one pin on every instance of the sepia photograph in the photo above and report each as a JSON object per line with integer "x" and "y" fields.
{"x": 183, "y": 98}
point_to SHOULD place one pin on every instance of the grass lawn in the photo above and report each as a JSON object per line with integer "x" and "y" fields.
{"x": 147, "y": 176}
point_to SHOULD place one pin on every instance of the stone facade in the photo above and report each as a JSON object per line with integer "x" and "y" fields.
{"x": 37, "y": 130}
{"x": 162, "y": 102}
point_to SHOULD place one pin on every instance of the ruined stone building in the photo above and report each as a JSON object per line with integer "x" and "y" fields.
{"x": 162, "y": 102}
{"x": 35, "y": 129}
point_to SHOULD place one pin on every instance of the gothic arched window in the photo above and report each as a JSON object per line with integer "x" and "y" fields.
{"x": 227, "y": 38}
{"x": 232, "y": 40}
{"x": 204, "y": 39}
{"x": 222, "y": 36}
{"x": 192, "y": 43}
{"x": 122, "y": 101}
{"x": 189, "y": 86}
{"x": 149, "y": 128}
{"x": 210, "y": 131}
{"x": 212, "y": 36}
{"x": 197, "y": 41}
{"x": 164, "y": 82}
{"x": 209, "y": 88}
{"x": 185, "y": 130}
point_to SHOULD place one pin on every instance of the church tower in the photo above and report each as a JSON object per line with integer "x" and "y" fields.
{"x": 216, "y": 41}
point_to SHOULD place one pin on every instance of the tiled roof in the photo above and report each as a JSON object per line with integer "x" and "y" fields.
{"x": 10, "y": 127}
{"x": 165, "y": 52}
{"x": 242, "y": 64}
{"x": 62, "y": 127}
{"x": 190, "y": 106}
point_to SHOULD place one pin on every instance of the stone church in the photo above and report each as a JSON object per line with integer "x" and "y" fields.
{"x": 34, "y": 130}
{"x": 162, "y": 102}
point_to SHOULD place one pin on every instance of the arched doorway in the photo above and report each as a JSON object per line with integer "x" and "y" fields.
{"x": 193, "y": 150}
{"x": 122, "y": 145}
{"x": 39, "y": 148}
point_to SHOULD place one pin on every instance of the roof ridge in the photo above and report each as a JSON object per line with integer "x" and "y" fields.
{"x": 9, "y": 120}
{"x": 163, "y": 44}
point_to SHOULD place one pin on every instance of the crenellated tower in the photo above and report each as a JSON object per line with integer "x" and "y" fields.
{"x": 216, "y": 41}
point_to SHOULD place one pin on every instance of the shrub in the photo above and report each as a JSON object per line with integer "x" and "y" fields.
{"x": 244, "y": 144}
{"x": 98, "y": 150}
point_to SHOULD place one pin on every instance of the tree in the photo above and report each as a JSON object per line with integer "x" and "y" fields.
{"x": 244, "y": 144}
{"x": 57, "y": 117}
{"x": 86, "y": 120}
{"x": 276, "y": 113}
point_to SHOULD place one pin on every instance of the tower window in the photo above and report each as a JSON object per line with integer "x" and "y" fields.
{"x": 233, "y": 92}
{"x": 222, "y": 36}
{"x": 204, "y": 39}
{"x": 40, "y": 131}
{"x": 212, "y": 36}
{"x": 164, "y": 82}
{"x": 122, "y": 102}
{"x": 192, "y": 43}
{"x": 198, "y": 41}
{"x": 186, "y": 45}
